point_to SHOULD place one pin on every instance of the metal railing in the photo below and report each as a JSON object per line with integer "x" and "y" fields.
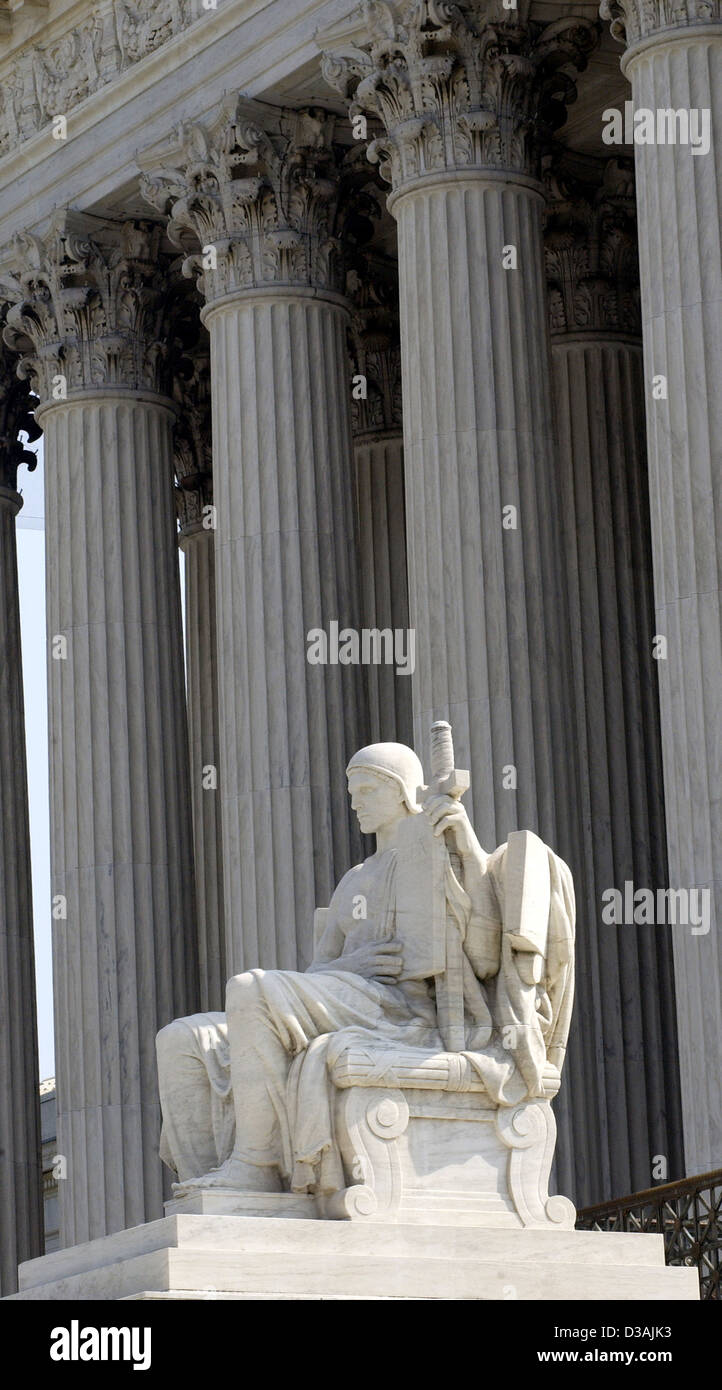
{"x": 687, "y": 1213}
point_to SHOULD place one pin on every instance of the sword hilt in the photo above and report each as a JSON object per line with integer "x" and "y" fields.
{"x": 446, "y": 779}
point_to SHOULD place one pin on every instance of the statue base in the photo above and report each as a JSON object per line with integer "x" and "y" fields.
{"x": 258, "y": 1257}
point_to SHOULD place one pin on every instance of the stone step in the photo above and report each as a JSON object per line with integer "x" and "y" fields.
{"x": 351, "y": 1239}
{"x": 318, "y": 1274}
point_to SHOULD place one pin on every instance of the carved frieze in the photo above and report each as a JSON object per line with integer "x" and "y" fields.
{"x": 54, "y": 78}
{"x": 590, "y": 245}
{"x": 264, "y": 206}
{"x": 632, "y": 20}
{"x": 87, "y": 307}
{"x": 457, "y": 86}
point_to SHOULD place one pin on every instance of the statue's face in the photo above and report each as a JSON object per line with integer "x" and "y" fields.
{"x": 376, "y": 800}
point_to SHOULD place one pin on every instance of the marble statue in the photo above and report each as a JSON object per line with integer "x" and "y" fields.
{"x": 412, "y": 1064}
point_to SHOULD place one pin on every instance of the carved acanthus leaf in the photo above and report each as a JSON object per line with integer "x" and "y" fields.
{"x": 374, "y": 347}
{"x": 460, "y": 85}
{"x": 192, "y": 434}
{"x": 87, "y": 307}
{"x": 16, "y": 415}
{"x": 632, "y": 20}
{"x": 590, "y": 243}
{"x": 264, "y": 206}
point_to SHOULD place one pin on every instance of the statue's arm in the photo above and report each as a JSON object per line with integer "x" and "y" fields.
{"x": 330, "y": 947}
{"x": 483, "y": 938}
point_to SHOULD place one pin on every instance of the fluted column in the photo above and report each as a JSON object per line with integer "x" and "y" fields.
{"x": 87, "y": 320}
{"x": 378, "y": 448}
{"x": 270, "y": 270}
{"x": 461, "y": 96}
{"x": 623, "y": 1078}
{"x": 674, "y": 63}
{"x": 21, "y": 1216}
{"x": 196, "y": 516}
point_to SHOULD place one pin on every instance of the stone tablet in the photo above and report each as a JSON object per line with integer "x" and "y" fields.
{"x": 420, "y": 912}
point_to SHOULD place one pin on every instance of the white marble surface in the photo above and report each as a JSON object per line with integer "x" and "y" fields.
{"x": 235, "y": 1257}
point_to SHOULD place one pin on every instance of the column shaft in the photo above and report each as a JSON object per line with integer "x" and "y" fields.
{"x": 125, "y": 954}
{"x": 680, "y": 225}
{"x": 623, "y": 1080}
{"x": 384, "y": 592}
{"x": 21, "y": 1216}
{"x": 285, "y": 564}
{"x": 478, "y": 439}
{"x": 202, "y": 677}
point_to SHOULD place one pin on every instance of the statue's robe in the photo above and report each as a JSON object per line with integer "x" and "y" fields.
{"x": 290, "y": 1028}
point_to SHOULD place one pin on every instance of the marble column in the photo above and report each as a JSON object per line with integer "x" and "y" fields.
{"x": 622, "y": 1079}
{"x": 377, "y": 425}
{"x": 271, "y": 271}
{"x": 461, "y": 97}
{"x": 88, "y": 322}
{"x": 21, "y": 1213}
{"x": 673, "y": 60}
{"x": 196, "y": 517}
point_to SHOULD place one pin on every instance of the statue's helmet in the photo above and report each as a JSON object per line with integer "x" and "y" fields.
{"x": 397, "y": 763}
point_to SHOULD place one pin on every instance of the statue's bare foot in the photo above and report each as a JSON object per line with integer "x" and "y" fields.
{"x": 237, "y": 1175}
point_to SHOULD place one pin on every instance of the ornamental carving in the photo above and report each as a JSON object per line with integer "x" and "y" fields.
{"x": 16, "y": 414}
{"x": 87, "y": 307}
{"x": 266, "y": 206}
{"x": 457, "y": 86}
{"x": 590, "y": 245}
{"x": 374, "y": 348}
{"x": 192, "y": 434}
{"x": 52, "y": 79}
{"x": 632, "y": 20}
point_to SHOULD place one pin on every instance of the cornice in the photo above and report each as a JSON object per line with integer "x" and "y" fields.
{"x": 54, "y": 77}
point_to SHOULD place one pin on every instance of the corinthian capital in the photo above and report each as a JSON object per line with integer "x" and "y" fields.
{"x": 374, "y": 347}
{"x": 86, "y": 307}
{"x": 633, "y": 20}
{"x": 590, "y": 245}
{"x": 263, "y": 201}
{"x": 457, "y": 86}
{"x": 16, "y": 407}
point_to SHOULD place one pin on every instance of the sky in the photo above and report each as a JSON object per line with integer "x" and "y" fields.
{"x": 31, "y": 579}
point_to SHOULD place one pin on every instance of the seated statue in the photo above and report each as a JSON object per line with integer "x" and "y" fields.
{"x": 441, "y": 985}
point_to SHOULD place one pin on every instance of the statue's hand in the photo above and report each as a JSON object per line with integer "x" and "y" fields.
{"x": 376, "y": 960}
{"x": 448, "y": 814}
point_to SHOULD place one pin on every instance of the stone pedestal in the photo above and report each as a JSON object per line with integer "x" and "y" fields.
{"x": 674, "y": 62}
{"x": 21, "y": 1219}
{"x": 262, "y": 1257}
{"x": 124, "y": 950}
